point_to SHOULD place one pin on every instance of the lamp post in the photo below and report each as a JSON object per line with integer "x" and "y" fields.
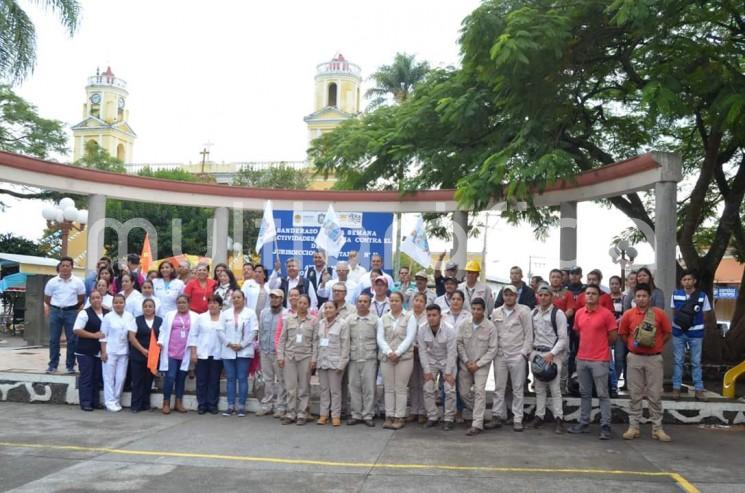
{"x": 624, "y": 255}
{"x": 64, "y": 215}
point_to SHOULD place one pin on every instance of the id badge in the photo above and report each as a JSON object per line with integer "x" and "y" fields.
{"x": 324, "y": 342}
{"x": 183, "y": 334}
{"x": 299, "y": 338}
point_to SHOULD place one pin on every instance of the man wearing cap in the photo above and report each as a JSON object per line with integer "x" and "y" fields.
{"x": 472, "y": 288}
{"x": 363, "y": 362}
{"x": 438, "y": 353}
{"x": 376, "y": 263}
{"x": 275, "y": 396}
{"x": 451, "y": 285}
{"x": 525, "y": 295}
{"x": 380, "y": 304}
{"x": 515, "y": 343}
{"x": 477, "y": 347}
{"x": 451, "y": 270}
{"x": 420, "y": 286}
{"x": 550, "y": 341}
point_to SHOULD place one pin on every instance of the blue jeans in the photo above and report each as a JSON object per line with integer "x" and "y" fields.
{"x": 174, "y": 374}
{"x": 237, "y": 369}
{"x": 59, "y": 320}
{"x": 679, "y": 356}
{"x": 619, "y": 355}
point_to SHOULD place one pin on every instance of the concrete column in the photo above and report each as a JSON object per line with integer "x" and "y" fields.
{"x": 96, "y": 226}
{"x": 459, "y": 254}
{"x": 220, "y": 236}
{"x": 568, "y": 235}
{"x": 665, "y": 214}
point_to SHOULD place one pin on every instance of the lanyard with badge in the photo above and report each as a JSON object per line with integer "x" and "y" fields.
{"x": 380, "y": 311}
{"x": 324, "y": 341}
{"x": 299, "y": 335}
{"x": 182, "y": 330}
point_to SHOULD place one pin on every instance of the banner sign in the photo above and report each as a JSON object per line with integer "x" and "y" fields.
{"x": 366, "y": 232}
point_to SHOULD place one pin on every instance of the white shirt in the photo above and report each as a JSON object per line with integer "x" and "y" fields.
{"x": 325, "y": 292}
{"x": 64, "y": 292}
{"x": 82, "y": 320}
{"x": 252, "y": 290}
{"x": 107, "y": 302}
{"x": 133, "y": 303}
{"x": 116, "y": 327}
{"x": 356, "y": 273}
{"x": 240, "y": 329}
{"x": 204, "y": 337}
{"x": 167, "y": 292}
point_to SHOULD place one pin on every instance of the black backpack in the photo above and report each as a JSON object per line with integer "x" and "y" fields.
{"x": 684, "y": 316}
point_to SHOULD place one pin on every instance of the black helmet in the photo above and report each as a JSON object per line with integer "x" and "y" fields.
{"x": 545, "y": 372}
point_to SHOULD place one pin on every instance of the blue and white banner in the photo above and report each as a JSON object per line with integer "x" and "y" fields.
{"x": 365, "y": 232}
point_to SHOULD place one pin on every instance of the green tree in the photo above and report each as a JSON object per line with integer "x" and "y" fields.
{"x": 10, "y": 243}
{"x": 281, "y": 176}
{"x": 18, "y": 34}
{"x": 396, "y": 80}
{"x": 95, "y": 156}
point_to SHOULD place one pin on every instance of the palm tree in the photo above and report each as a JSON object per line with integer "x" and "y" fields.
{"x": 397, "y": 80}
{"x": 18, "y": 36}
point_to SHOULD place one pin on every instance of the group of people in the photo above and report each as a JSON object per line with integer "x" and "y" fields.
{"x": 432, "y": 350}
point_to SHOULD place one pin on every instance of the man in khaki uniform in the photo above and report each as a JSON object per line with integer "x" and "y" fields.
{"x": 420, "y": 286}
{"x": 472, "y": 288}
{"x": 477, "y": 347}
{"x": 344, "y": 310}
{"x": 438, "y": 353}
{"x": 297, "y": 356}
{"x": 363, "y": 361}
{"x": 515, "y": 342}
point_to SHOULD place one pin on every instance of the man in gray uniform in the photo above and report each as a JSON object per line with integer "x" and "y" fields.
{"x": 275, "y": 396}
{"x": 477, "y": 347}
{"x": 438, "y": 353}
{"x": 363, "y": 362}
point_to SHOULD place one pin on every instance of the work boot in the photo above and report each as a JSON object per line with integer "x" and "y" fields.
{"x": 676, "y": 394}
{"x": 287, "y": 420}
{"x": 517, "y": 426}
{"x": 422, "y": 420}
{"x": 701, "y": 396}
{"x": 661, "y": 435}
{"x": 180, "y": 406}
{"x": 493, "y": 424}
{"x": 631, "y": 433}
{"x": 605, "y": 432}
{"x": 447, "y": 426}
{"x": 262, "y": 412}
{"x": 459, "y": 417}
{"x": 336, "y": 421}
{"x": 472, "y": 431}
{"x": 166, "y": 407}
{"x": 398, "y": 423}
{"x": 388, "y": 424}
{"x": 537, "y": 422}
{"x": 431, "y": 423}
{"x": 353, "y": 421}
{"x": 411, "y": 418}
{"x": 323, "y": 420}
{"x": 559, "y": 426}
{"x": 579, "y": 428}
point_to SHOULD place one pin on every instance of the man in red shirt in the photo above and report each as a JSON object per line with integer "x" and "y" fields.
{"x": 596, "y": 327}
{"x": 644, "y": 363}
{"x": 593, "y": 279}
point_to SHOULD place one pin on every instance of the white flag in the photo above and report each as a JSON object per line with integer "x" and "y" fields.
{"x": 330, "y": 236}
{"x": 267, "y": 232}
{"x": 416, "y": 245}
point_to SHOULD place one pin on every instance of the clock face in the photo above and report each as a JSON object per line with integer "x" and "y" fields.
{"x": 96, "y": 98}
{"x": 121, "y": 103}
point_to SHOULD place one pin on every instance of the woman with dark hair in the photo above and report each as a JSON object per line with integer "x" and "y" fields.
{"x": 237, "y": 333}
{"x": 115, "y": 352}
{"x": 147, "y": 328}
{"x": 332, "y": 347}
{"x": 133, "y": 297}
{"x": 148, "y": 293}
{"x": 199, "y": 288}
{"x": 167, "y": 287}
{"x": 206, "y": 355}
{"x": 226, "y": 284}
{"x": 108, "y": 274}
{"x": 88, "y": 350}
{"x": 174, "y": 360}
{"x": 644, "y": 276}
{"x": 102, "y": 286}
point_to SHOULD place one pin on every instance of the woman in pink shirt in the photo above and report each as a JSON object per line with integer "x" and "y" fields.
{"x": 174, "y": 360}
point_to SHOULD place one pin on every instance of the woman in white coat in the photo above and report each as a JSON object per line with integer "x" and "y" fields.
{"x": 174, "y": 359}
{"x": 167, "y": 286}
{"x": 237, "y": 333}
{"x": 206, "y": 356}
{"x": 115, "y": 351}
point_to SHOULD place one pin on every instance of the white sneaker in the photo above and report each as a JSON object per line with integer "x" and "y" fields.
{"x": 113, "y": 408}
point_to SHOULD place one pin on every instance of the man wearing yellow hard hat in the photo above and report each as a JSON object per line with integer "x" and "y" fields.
{"x": 473, "y": 288}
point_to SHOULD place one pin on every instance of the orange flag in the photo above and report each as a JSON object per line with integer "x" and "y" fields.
{"x": 146, "y": 257}
{"x": 153, "y": 354}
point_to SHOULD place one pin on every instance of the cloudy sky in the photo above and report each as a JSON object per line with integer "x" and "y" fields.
{"x": 240, "y": 75}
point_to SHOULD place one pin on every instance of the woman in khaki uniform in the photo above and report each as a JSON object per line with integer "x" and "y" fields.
{"x": 417, "y": 412}
{"x": 332, "y": 347}
{"x": 297, "y": 355}
{"x": 396, "y": 333}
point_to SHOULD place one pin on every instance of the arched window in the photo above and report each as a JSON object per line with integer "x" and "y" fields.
{"x": 120, "y": 152}
{"x": 332, "y": 94}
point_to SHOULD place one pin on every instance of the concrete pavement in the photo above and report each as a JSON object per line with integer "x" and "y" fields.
{"x": 60, "y": 448}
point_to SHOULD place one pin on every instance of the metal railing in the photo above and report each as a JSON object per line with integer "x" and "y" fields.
{"x": 107, "y": 80}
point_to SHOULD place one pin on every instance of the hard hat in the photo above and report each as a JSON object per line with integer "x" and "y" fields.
{"x": 473, "y": 266}
{"x": 545, "y": 372}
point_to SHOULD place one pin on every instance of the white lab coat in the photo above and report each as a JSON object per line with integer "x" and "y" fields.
{"x": 241, "y": 331}
{"x": 204, "y": 337}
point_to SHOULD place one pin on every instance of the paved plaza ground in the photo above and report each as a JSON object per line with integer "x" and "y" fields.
{"x": 51, "y": 448}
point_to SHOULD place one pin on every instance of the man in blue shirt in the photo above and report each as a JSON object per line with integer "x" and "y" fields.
{"x": 689, "y": 305}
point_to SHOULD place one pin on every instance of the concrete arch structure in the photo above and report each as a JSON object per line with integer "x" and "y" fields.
{"x": 658, "y": 171}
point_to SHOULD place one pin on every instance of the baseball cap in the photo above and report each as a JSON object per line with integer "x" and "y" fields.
{"x": 381, "y": 279}
{"x": 451, "y": 266}
{"x": 510, "y": 287}
{"x": 277, "y": 292}
{"x": 422, "y": 274}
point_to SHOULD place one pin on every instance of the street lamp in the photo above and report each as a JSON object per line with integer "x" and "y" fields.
{"x": 64, "y": 215}
{"x": 624, "y": 255}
